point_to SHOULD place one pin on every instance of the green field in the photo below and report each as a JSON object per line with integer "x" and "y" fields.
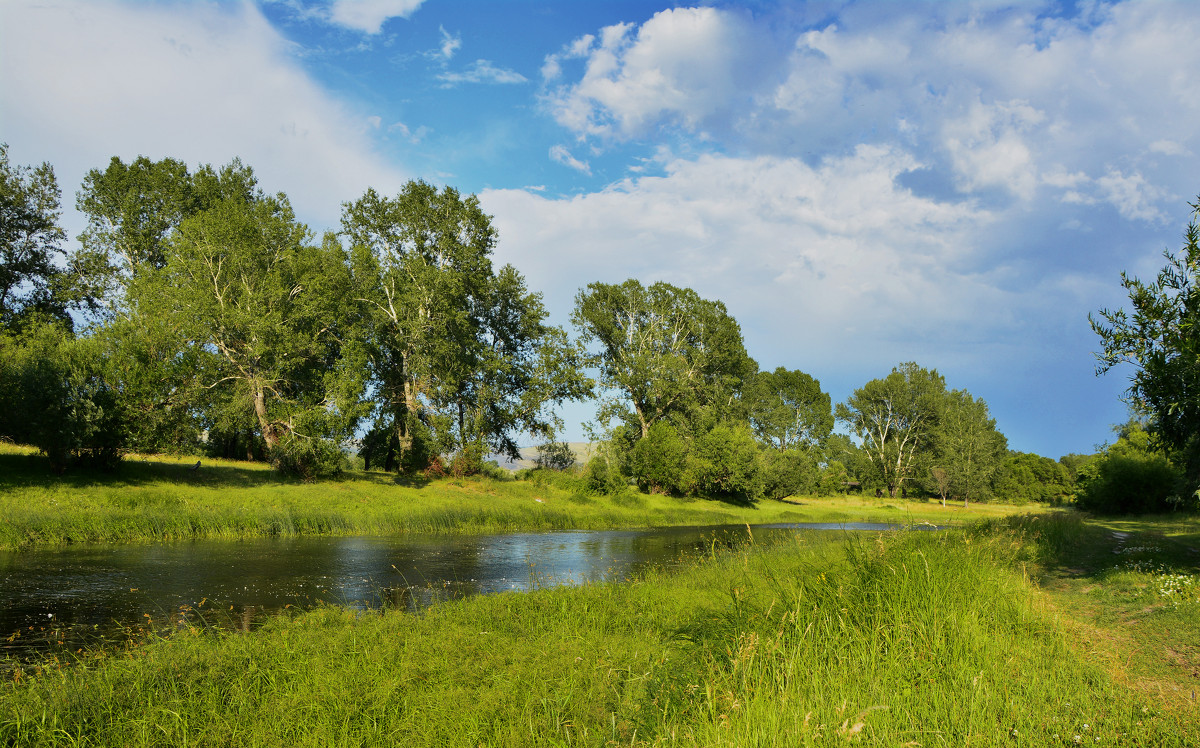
{"x": 160, "y": 498}
{"x": 971, "y": 637}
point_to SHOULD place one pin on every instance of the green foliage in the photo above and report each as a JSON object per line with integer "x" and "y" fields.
{"x": 895, "y": 419}
{"x": 725, "y": 463}
{"x": 32, "y": 283}
{"x": 658, "y": 461}
{"x": 665, "y": 350}
{"x": 56, "y": 398}
{"x": 460, "y": 357}
{"x": 1161, "y": 340}
{"x": 1023, "y": 477}
{"x": 792, "y": 472}
{"x": 788, "y": 410}
{"x": 966, "y": 448}
{"x": 1132, "y": 477}
{"x": 554, "y": 455}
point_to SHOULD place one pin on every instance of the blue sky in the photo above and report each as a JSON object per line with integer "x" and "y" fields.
{"x": 862, "y": 183}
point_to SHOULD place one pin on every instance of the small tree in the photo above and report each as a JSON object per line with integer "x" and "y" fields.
{"x": 555, "y": 456}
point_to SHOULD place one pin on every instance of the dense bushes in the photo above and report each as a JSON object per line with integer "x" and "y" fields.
{"x": 55, "y": 397}
{"x": 1132, "y": 477}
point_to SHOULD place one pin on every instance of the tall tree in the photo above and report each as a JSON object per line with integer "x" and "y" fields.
{"x": 1160, "y": 338}
{"x": 788, "y": 410}
{"x": 460, "y": 355}
{"x": 894, "y": 419}
{"x": 967, "y": 447}
{"x": 663, "y": 348}
{"x": 31, "y": 280}
{"x": 266, "y": 314}
{"x": 132, "y": 210}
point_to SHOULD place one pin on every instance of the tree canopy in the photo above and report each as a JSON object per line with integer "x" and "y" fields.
{"x": 894, "y": 419}
{"x": 1160, "y": 338}
{"x": 663, "y": 348}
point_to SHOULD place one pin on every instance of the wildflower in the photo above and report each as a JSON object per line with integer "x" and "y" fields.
{"x": 1078, "y": 738}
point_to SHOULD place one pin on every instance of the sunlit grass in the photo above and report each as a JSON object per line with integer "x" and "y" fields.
{"x": 162, "y": 498}
{"x": 879, "y": 639}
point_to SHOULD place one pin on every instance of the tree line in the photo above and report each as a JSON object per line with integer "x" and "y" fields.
{"x": 198, "y": 315}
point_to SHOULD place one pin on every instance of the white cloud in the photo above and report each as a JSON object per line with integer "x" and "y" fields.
{"x": 481, "y": 71}
{"x": 683, "y": 65}
{"x": 780, "y": 242}
{"x": 987, "y": 147}
{"x": 451, "y": 43}
{"x": 560, "y": 155}
{"x": 199, "y": 82}
{"x": 1131, "y": 195}
{"x": 368, "y": 16}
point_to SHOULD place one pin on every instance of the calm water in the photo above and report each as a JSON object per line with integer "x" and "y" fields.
{"x": 69, "y": 597}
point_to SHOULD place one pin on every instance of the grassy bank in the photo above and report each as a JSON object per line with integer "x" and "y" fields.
{"x": 160, "y": 498}
{"x": 883, "y": 639}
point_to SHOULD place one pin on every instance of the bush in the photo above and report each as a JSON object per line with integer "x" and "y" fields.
{"x": 789, "y": 473}
{"x": 726, "y": 463}
{"x": 657, "y": 461}
{"x": 55, "y": 397}
{"x": 1130, "y": 484}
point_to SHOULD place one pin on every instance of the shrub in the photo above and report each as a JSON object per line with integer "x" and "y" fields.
{"x": 1129, "y": 484}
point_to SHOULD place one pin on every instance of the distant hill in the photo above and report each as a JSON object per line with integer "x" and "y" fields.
{"x": 583, "y": 452}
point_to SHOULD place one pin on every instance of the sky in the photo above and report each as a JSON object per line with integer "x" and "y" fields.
{"x": 862, "y": 184}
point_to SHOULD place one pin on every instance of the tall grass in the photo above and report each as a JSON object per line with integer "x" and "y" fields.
{"x": 883, "y": 639}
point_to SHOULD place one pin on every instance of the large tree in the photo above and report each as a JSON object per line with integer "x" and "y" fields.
{"x": 788, "y": 410}
{"x": 967, "y": 448}
{"x": 266, "y": 316}
{"x": 894, "y": 419}
{"x": 461, "y": 356}
{"x": 133, "y": 209}
{"x": 32, "y": 278}
{"x": 1160, "y": 338}
{"x": 665, "y": 350}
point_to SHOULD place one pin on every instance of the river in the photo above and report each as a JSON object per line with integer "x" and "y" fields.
{"x": 78, "y": 596}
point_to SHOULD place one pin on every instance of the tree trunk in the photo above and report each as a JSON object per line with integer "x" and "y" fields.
{"x": 264, "y": 422}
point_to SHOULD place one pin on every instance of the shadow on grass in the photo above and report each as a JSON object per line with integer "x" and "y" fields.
{"x": 1075, "y": 545}
{"x": 20, "y": 470}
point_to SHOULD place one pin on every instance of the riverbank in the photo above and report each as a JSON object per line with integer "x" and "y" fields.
{"x": 155, "y": 499}
{"x": 887, "y": 639}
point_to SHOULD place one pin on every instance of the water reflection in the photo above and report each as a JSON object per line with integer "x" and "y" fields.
{"x": 66, "y": 597}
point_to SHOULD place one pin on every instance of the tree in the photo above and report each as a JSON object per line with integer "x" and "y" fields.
{"x": 31, "y": 281}
{"x": 788, "y": 410}
{"x": 894, "y": 419}
{"x": 664, "y": 349}
{"x": 264, "y": 313}
{"x": 1160, "y": 338}
{"x": 134, "y": 208}
{"x": 967, "y": 447}
{"x": 461, "y": 358}
{"x": 56, "y": 397}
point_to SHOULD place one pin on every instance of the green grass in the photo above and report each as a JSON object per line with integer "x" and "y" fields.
{"x": 161, "y": 499}
{"x": 900, "y": 638}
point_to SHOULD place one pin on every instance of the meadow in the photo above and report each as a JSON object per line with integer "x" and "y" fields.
{"x": 967, "y": 637}
{"x": 155, "y": 499}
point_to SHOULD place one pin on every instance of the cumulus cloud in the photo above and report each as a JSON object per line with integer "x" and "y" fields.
{"x": 684, "y": 65}
{"x": 368, "y": 16}
{"x": 172, "y": 81}
{"x": 776, "y": 239}
{"x": 481, "y": 71}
